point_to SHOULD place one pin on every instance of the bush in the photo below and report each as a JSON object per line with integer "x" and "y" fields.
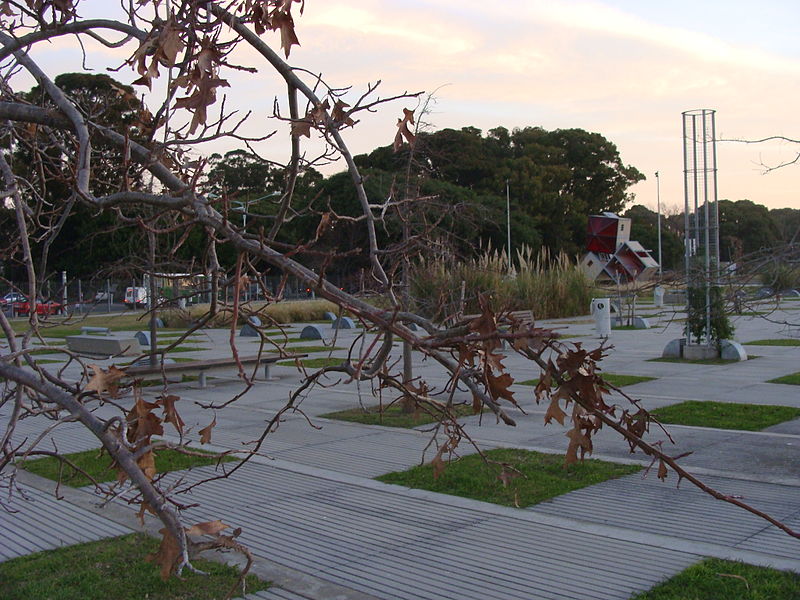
{"x": 550, "y": 287}
{"x": 780, "y": 277}
{"x": 721, "y": 328}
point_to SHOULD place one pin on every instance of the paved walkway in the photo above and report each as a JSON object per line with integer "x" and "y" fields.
{"x": 323, "y": 528}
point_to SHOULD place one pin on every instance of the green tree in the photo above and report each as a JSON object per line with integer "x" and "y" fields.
{"x": 744, "y": 227}
{"x": 644, "y": 229}
{"x": 556, "y": 178}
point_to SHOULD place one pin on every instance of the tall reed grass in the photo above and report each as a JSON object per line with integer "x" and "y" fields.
{"x": 301, "y": 311}
{"x": 550, "y": 286}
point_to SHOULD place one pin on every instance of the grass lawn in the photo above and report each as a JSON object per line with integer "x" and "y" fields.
{"x": 99, "y": 466}
{"x": 391, "y": 416}
{"x": 775, "y": 342}
{"x": 793, "y": 379}
{"x": 544, "y": 477}
{"x": 313, "y": 363}
{"x": 714, "y": 579}
{"x": 114, "y": 321}
{"x": 612, "y": 378}
{"x": 702, "y": 361}
{"x": 725, "y": 415}
{"x": 112, "y": 568}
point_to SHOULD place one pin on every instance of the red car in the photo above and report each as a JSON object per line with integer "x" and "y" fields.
{"x": 42, "y": 307}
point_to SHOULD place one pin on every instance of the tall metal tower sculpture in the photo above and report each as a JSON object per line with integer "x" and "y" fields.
{"x": 701, "y": 214}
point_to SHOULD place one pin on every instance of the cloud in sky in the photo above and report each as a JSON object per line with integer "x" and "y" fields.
{"x": 623, "y": 68}
{"x": 612, "y": 67}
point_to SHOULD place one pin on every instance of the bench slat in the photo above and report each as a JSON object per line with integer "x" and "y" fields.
{"x": 204, "y": 365}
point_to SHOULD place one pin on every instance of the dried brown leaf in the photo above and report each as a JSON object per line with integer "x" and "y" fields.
{"x": 301, "y": 127}
{"x": 554, "y": 412}
{"x": 147, "y": 463}
{"x": 170, "y": 413}
{"x": 499, "y": 386}
{"x": 207, "y": 528}
{"x": 439, "y": 465}
{"x": 167, "y": 555}
{"x": 205, "y": 432}
{"x": 104, "y": 381}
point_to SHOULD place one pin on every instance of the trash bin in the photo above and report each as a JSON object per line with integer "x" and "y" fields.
{"x": 658, "y": 296}
{"x": 601, "y": 311}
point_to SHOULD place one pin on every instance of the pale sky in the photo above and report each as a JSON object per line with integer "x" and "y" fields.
{"x": 622, "y": 68}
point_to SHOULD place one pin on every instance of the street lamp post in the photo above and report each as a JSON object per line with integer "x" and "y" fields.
{"x": 658, "y": 209}
{"x": 508, "y": 225}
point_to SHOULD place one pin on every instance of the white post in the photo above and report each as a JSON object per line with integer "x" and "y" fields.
{"x": 64, "y": 289}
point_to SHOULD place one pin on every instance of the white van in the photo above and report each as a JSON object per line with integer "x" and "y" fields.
{"x": 135, "y": 296}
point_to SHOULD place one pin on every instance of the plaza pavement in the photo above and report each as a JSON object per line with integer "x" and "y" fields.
{"x": 322, "y": 528}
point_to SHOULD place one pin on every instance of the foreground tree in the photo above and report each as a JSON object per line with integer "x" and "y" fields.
{"x": 161, "y": 185}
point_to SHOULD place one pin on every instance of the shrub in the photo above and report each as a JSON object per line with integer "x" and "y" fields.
{"x": 721, "y": 328}
{"x": 780, "y": 277}
{"x": 550, "y": 287}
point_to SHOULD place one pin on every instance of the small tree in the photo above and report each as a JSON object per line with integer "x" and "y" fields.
{"x": 195, "y": 44}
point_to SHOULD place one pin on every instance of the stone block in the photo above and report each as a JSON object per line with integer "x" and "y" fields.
{"x": 674, "y": 348}
{"x": 699, "y": 352}
{"x": 732, "y": 350}
{"x": 312, "y": 332}
{"x": 343, "y": 323}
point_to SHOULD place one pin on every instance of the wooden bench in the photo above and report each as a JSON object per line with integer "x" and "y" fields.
{"x": 203, "y": 366}
{"x": 524, "y": 317}
{"x": 104, "y": 345}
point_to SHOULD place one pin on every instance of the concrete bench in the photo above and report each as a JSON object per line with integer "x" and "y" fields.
{"x": 104, "y": 345}
{"x": 203, "y": 366}
{"x": 98, "y": 330}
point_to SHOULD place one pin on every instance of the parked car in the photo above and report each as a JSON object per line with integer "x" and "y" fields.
{"x": 11, "y": 298}
{"x": 42, "y": 307}
{"x": 103, "y": 296}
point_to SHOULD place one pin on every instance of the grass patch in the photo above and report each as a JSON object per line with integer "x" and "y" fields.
{"x": 184, "y": 379}
{"x": 702, "y": 361}
{"x": 392, "y": 415}
{"x": 314, "y": 363}
{"x": 99, "y": 465}
{"x": 775, "y": 342}
{"x": 544, "y": 476}
{"x": 724, "y": 415}
{"x": 612, "y": 378}
{"x": 312, "y": 348}
{"x": 112, "y": 568}
{"x": 49, "y": 361}
{"x": 714, "y": 579}
{"x": 176, "y": 349}
{"x": 793, "y": 379}
{"x": 625, "y": 328}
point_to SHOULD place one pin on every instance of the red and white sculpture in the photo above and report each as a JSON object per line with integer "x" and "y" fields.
{"x": 612, "y": 255}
